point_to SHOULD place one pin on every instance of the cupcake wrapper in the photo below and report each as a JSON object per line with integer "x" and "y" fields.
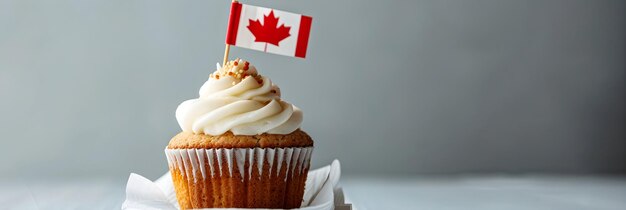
{"x": 239, "y": 177}
{"x": 296, "y": 159}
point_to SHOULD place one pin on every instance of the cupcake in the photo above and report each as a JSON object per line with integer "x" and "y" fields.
{"x": 241, "y": 145}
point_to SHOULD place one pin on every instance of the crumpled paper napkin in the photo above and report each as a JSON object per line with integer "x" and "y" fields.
{"x": 321, "y": 191}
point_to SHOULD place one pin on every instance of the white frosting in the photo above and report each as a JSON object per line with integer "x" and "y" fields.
{"x": 240, "y": 101}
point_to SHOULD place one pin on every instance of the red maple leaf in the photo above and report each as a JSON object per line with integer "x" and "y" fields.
{"x": 269, "y": 31}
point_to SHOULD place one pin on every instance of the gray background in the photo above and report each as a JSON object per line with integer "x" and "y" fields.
{"x": 89, "y": 88}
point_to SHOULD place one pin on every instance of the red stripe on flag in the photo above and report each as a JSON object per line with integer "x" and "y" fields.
{"x": 303, "y": 36}
{"x": 233, "y": 23}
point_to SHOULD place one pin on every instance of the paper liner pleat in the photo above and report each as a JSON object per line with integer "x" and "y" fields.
{"x": 191, "y": 162}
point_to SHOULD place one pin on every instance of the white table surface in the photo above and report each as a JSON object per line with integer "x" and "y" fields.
{"x": 435, "y": 192}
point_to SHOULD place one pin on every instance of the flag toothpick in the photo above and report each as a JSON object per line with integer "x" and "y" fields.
{"x": 268, "y": 30}
{"x": 227, "y": 49}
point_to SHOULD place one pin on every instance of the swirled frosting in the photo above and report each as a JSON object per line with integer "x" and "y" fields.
{"x": 238, "y": 99}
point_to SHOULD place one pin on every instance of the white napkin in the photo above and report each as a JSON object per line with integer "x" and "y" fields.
{"x": 321, "y": 191}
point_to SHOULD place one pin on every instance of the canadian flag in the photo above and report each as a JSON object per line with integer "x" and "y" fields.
{"x": 268, "y": 30}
